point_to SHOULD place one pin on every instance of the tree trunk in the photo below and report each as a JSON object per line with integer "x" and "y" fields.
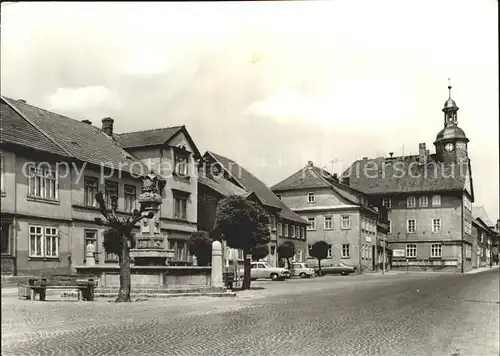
{"x": 288, "y": 263}
{"x": 124, "y": 294}
{"x": 319, "y": 267}
{"x": 246, "y": 273}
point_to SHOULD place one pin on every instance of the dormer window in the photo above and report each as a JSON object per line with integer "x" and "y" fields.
{"x": 181, "y": 161}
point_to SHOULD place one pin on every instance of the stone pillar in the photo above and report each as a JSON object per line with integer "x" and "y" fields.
{"x": 89, "y": 255}
{"x": 216, "y": 277}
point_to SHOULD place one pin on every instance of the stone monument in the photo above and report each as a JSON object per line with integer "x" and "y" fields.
{"x": 151, "y": 245}
{"x": 89, "y": 255}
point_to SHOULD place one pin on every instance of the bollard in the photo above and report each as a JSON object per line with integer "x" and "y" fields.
{"x": 216, "y": 280}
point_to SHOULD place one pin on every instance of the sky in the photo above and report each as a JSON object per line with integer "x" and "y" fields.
{"x": 271, "y": 85}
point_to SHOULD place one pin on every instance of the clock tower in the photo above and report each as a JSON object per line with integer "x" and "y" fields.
{"x": 451, "y": 142}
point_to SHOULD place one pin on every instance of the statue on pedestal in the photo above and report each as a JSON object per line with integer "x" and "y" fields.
{"x": 152, "y": 184}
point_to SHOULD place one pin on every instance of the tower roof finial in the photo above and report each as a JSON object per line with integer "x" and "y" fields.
{"x": 449, "y": 86}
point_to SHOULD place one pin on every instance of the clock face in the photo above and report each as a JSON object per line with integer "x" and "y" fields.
{"x": 449, "y": 147}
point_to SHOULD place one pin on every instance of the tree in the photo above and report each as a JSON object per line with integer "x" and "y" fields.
{"x": 119, "y": 239}
{"x": 286, "y": 250}
{"x": 319, "y": 250}
{"x": 200, "y": 245}
{"x": 243, "y": 225}
{"x": 259, "y": 252}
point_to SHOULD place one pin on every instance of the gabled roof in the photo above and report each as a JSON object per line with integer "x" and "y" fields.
{"x": 252, "y": 184}
{"x": 405, "y": 175}
{"x": 222, "y": 186}
{"x": 78, "y": 140}
{"x": 19, "y": 131}
{"x": 155, "y": 137}
{"x": 478, "y": 212}
{"x": 305, "y": 178}
{"x": 311, "y": 177}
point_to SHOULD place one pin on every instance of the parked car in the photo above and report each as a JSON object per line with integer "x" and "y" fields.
{"x": 339, "y": 268}
{"x": 263, "y": 270}
{"x": 302, "y": 270}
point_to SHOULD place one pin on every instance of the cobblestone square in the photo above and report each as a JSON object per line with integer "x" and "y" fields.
{"x": 415, "y": 314}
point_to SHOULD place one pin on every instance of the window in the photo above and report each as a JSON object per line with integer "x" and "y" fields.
{"x": 2, "y": 177}
{"x": 386, "y": 202}
{"x": 5, "y": 242}
{"x": 423, "y": 202}
{"x": 411, "y": 226}
{"x": 90, "y": 238}
{"x": 436, "y": 225}
{"x": 180, "y": 208}
{"x": 345, "y": 251}
{"x": 285, "y": 227}
{"x": 42, "y": 182}
{"x": 467, "y": 203}
{"x": 311, "y": 198}
{"x": 410, "y": 202}
{"x": 241, "y": 255}
{"x": 436, "y": 200}
{"x": 130, "y": 198}
{"x": 436, "y": 250}
{"x": 390, "y": 227}
{"x": 467, "y": 227}
{"x": 273, "y": 223}
{"x": 279, "y": 196}
{"x": 411, "y": 250}
{"x": 43, "y": 242}
{"x": 329, "y": 252}
{"x": 300, "y": 256}
{"x": 280, "y": 229}
{"x": 293, "y": 231}
{"x": 481, "y": 237}
{"x": 111, "y": 190}
{"x": 328, "y": 223}
{"x": 181, "y": 164}
{"x": 468, "y": 252}
{"x": 345, "y": 221}
{"x": 312, "y": 224}
{"x": 90, "y": 190}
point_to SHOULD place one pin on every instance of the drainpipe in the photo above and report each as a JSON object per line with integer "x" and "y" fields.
{"x": 360, "y": 243}
{"x": 462, "y": 223}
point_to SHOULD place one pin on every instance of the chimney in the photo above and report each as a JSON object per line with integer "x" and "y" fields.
{"x": 107, "y": 126}
{"x": 22, "y": 101}
{"x": 422, "y": 157}
{"x": 391, "y": 154}
{"x": 335, "y": 177}
{"x": 310, "y": 163}
{"x": 87, "y": 122}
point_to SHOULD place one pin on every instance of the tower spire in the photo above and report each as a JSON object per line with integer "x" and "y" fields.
{"x": 450, "y": 109}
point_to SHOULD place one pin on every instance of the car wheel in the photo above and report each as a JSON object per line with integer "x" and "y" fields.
{"x": 344, "y": 273}
{"x": 302, "y": 275}
{"x": 274, "y": 276}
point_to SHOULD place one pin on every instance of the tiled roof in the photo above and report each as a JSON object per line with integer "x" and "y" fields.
{"x": 303, "y": 179}
{"x": 254, "y": 185}
{"x": 311, "y": 177}
{"x": 147, "y": 137}
{"x": 405, "y": 175}
{"x": 18, "y": 131}
{"x": 478, "y": 212}
{"x": 222, "y": 186}
{"x": 82, "y": 141}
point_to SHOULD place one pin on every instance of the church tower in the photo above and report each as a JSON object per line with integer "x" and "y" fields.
{"x": 451, "y": 142}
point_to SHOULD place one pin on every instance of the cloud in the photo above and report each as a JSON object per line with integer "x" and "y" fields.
{"x": 96, "y": 99}
{"x": 356, "y": 102}
{"x": 146, "y": 63}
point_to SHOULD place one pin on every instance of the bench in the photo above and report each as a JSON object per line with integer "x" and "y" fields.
{"x": 85, "y": 285}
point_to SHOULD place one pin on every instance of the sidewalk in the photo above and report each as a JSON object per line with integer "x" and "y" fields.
{"x": 482, "y": 269}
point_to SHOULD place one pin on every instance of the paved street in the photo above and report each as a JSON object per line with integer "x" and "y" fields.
{"x": 417, "y": 314}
